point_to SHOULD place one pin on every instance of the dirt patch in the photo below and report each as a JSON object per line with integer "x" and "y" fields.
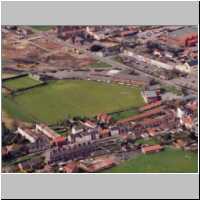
{"x": 41, "y": 54}
{"x": 5, "y": 91}
{"x": 48, "y": 43}
{"x": 10, "y": 123}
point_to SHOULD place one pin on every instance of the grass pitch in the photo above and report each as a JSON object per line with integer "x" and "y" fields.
{"x": 21, "y": 82}
{"x": 68, "y": 98}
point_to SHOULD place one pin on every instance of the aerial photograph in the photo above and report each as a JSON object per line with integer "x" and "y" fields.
{"x": 99, "y": 99}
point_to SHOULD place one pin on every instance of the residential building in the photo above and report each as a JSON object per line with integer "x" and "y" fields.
{"x": 70, "y": 167}
{"x": 76, "y": 130}
{"x": 104, "y": 118}
{"x": 96, "y": 165}
{"x": 187, "y": 122}
{"x": 114, "y": 131}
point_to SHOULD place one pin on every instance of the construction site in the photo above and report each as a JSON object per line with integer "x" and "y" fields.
{"x": 40, "y": 53}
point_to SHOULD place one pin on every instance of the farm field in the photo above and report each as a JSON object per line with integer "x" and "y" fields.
{"x": 68, "y": 98}
{"x": 168, "y": 161}
{"x": 21, "y": 82}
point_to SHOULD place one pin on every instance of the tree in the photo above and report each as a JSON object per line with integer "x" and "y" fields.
{"x": 162, "y": 90}
{"x": 153, "y": 82}
{"x": 5, "y": 130}
{"x": 184, "y": 91}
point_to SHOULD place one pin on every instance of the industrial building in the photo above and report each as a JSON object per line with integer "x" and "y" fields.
{"x": 47, "y": 131}
{"x": 29, "y": 134}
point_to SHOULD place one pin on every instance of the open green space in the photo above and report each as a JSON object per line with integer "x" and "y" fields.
{"x": 41, "y": 28}
{"x": 99, "y": 64}
{"x": 21, "y": 82}
{"x": 150, "y": 141}
{"x": 14, "y": 110}
{"x": 168, "y": 161}
{"x": 118, "y": 59}
{"x": 172, "y": 89}
{"x": 67, "y": 98}
{"x": 124, "y": 114}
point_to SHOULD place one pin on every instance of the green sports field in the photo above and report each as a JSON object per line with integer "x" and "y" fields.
{"x": 68, "y": 98}
{"x": 21, "y": 82}
{"x": 168, "y": 161}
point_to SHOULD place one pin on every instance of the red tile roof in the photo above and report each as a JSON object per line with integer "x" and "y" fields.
{"x": 187, "y": 120}
{"x": 59, "y": 139}
{"x": 104, "y": 117}
{"x": 152, "y": 131}
{"x": 102, "y": 165}
{"x": 150, "y": 106}
{"x": 70, "y": 167}
{"x": 192, "y": 105}
{"x": 97, "y": 165}
{"x": 153, "y": 148}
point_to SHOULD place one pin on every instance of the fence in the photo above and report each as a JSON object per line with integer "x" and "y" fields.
{"x": 14, "y": 77}
{"x": 122, "y": 110}
{"x": 21, "y": 90}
